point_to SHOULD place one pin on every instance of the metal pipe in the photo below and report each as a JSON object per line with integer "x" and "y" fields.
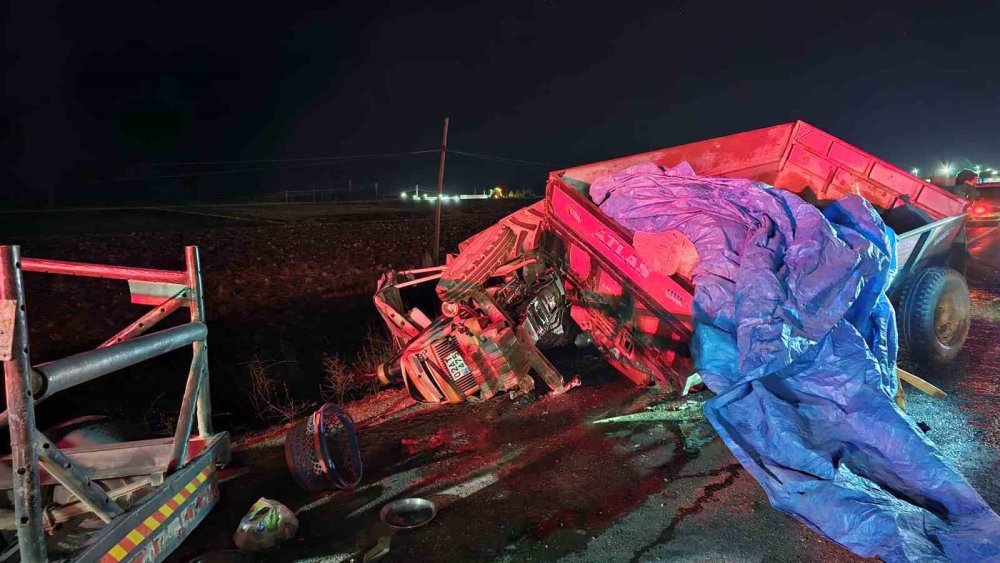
{"x": 67, "y": 372}
{"x": 102, "y": 271}
{"x": 70, "y": 476}
{"x": 17, "y": 379}
{"x": 418, "y": 281}
{"x": 200, "y": 349}
{"x": 178, "y": 455}
{"x": 421, "y": 270}
{"x": 143, "y": 323}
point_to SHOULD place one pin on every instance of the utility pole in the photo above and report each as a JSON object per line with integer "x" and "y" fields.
{"x": 376, "y": 190}
{"x": 350, "y": 190}
{"x": 435, "y": 252}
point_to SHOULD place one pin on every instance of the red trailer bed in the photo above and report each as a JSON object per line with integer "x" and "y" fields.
{"x": 646, "y": 337}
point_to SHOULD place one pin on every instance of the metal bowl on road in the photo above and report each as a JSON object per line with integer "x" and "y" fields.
{"x": 408, "y": 513}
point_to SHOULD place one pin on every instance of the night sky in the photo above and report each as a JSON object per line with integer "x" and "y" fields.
{"x": 97, "y": 93}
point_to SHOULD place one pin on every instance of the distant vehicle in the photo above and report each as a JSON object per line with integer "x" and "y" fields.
{"x": 986, "y": 209}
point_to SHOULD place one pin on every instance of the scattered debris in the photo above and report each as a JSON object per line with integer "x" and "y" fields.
{"x": 406, "y": 513}
{"x": 225, "y": 556}
{"x": 380, "y": 550}
{"x": 669, "y": 411}
{"x": 267, "y": 524}
{"x": 691, "y": 382}
{"x": 697, "y": 434}
{"x": 322, "y": 451}
{"x": 921, "y": 384}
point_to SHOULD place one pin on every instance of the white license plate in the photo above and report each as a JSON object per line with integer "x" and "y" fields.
{"x": 456, "y": 366}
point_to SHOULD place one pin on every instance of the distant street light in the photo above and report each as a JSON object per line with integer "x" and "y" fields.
{"x": 915, "y": 171}
{"x": 946, "y": 169}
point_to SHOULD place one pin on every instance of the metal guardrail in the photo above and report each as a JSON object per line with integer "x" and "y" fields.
{"x": 33, "y": 456}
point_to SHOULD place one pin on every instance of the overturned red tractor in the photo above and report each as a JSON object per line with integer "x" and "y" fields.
{"x": 561, "y": 270}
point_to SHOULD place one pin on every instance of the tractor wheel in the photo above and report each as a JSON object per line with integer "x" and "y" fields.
{"x": 933, "y": 316}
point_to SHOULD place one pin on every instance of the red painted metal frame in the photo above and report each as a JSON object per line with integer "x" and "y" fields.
{"x": 793, "y": 156}
{"x": 104, "y": 271}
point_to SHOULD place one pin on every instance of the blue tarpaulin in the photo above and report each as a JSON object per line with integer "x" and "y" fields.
{"x": 795, "y": 335}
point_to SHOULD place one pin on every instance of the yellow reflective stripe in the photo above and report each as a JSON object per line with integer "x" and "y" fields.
{"x": 118, "y": 553}
{"x": 135, "y": 536}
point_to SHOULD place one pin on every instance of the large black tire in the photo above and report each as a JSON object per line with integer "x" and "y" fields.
{"x": 934, "y": 314}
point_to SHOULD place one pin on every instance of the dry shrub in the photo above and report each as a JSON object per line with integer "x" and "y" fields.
{"x": 377, "y": 349}
{"x": 343, "y": 382}
{"x": 160, "y": 421}
{"x": 269, "y": 396}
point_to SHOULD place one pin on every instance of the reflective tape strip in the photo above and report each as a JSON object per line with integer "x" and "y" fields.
{"x": 131, "y": 541}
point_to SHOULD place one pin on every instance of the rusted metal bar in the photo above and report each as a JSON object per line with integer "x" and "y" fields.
{"x": 185, "y": 420}
{"x": 17, "y": 379}
{"x": 67, "y": 372}
{"x": 197, "y": 307}
{"x": 418, "y": 281}
{"x": 77, "y": 482}
{"x": 422, "y": 270}
{"x": 143, "y": 323}
{"x": 102, "y": 271}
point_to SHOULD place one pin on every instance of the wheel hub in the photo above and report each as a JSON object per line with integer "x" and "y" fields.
{"x": 949, "y": 317}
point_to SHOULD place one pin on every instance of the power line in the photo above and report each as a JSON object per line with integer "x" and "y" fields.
{"x": 268, "y": 168}
{"x": 312, "y": 162}
{"x": 496, "y": 158}
{"x": 313, "y": 158}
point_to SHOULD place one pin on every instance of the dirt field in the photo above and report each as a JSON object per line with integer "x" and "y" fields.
{"x": 285, "y": 286}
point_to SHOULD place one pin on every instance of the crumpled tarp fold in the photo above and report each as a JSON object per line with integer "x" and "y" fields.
{"x": 795, "y": 335}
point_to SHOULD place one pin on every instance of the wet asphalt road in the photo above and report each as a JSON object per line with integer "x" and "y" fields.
{"x": 966, "y": 424}
{"x": 535, "y": 481}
